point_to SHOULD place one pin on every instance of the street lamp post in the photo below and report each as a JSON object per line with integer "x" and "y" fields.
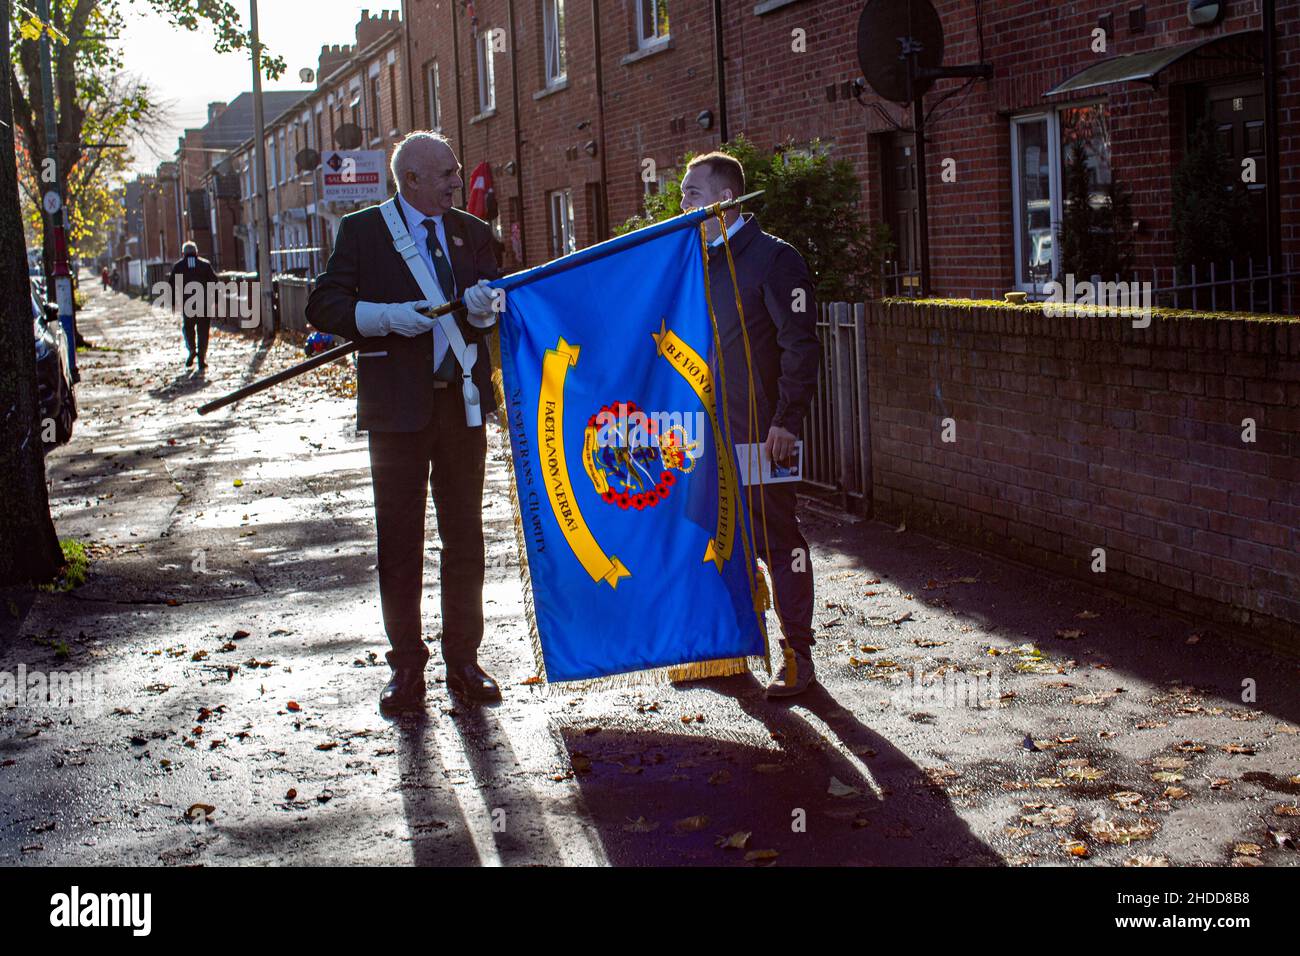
{"x": 259, "y": 161}
{"x": 53, "y": 200}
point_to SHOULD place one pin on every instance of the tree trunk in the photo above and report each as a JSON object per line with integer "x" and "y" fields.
{"x": 29, "y": 548}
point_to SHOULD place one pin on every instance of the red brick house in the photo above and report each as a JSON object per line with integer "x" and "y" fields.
{"x": 568, "y": 100}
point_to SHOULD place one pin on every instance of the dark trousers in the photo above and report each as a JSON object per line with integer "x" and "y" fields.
{"x": 203, "y": 325}
{"x": 446, "y": 456}
{"x": 785, "y": 553}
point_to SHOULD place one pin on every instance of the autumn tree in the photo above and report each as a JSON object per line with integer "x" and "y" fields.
{"x": 29, "y": 550}
{"x": 85, "y": 62}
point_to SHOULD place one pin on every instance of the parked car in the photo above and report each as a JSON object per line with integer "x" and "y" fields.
{"x": 55, "y": 394}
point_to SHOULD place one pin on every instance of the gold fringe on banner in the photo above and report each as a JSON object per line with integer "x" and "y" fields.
{"x": 516, "y": 519}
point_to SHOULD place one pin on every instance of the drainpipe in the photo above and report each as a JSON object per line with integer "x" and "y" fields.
{"x": 603, "y": 233}
{"x": 455, "y": 59}
{"x": 410, "y": 68}
{"x": 519, "y": 162}
{"x": 1272, "y": 171}
{"x": 721, "y": 70}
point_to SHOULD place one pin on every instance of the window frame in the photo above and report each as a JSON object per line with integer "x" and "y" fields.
{"x": 563, "y": 235}
{"x": 646, "y": 41}
{"x": 433, "y": 94}
{"x": 1053, "y": 188}
{"x": 553, "y": 46}
{"x": 487, "y": 82}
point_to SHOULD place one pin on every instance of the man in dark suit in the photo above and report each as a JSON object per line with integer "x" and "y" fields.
{"x": 410, "y": 400}
{"x": 780, "y": 319}
{"x": 195, "y": 321}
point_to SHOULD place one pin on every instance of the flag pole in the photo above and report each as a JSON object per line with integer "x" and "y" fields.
{"x": 514, "y": 280}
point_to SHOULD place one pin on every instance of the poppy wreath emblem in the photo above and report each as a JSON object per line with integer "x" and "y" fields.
{"x": 632, "y": 465}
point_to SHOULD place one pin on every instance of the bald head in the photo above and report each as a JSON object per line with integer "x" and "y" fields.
{"x": 427, "y": 172}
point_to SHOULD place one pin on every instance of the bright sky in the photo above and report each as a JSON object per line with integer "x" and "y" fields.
{"x": 186, "y": 74}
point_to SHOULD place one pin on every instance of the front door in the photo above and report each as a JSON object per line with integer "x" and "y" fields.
{"x": 1237, "y": 111}
{"x": 901, "y": 208}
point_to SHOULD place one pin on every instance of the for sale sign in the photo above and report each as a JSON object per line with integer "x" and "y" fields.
{"x": 356, "y": 175}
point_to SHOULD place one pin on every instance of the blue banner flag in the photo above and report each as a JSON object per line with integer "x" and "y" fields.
{"x": 628, "y": 497}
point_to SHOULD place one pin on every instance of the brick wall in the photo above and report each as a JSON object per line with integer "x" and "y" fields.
{"x": 1081, "y": 433}
{"x": 777, "y": 94}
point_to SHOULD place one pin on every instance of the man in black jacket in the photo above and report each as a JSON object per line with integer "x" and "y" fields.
{"x": 780, "y": 318}
{"x": 192, "y": 301}
{"x": 409, "y": 399}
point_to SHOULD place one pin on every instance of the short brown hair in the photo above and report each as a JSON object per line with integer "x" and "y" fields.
{"x": 725, "y": 170}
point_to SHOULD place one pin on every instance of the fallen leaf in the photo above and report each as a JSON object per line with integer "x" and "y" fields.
{"x": 692, "y": 824}
{"x": 737, "y": 841}
{"x": 1108, "y": 831}
{"x": 1048, "y": 815}
{"x": 838, "y": 788}
{"x": 761, "y": 856}
{"x": 200, "y": 811}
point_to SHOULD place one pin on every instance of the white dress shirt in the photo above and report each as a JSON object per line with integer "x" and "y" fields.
{"x": 415, "y": 226}
{"x": 731, "y": 231}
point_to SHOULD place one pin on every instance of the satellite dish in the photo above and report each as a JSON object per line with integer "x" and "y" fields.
{"x": 888, "y": 31}
{"x": 307, "y": 159}
{"x": 347, "y": 136}
{"x": 306, "y": 74}
{"x": 1204, "y": 13}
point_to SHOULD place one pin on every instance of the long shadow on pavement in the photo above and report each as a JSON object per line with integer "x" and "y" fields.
{"x": 667, "y": 798}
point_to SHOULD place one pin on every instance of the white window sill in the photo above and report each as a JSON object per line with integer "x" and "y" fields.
{"x": 769, "y": 6}
{"x": 556, "y": 87}
{"x": 650, "y": 49}
{"x": 485, "y": 115}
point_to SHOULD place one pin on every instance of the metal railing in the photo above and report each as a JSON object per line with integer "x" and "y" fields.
{"x": 1250, "y": 288}
{"x": 291, "y": 294}
{"x": 837, "y": 431}
{"x": 896, "y": 281}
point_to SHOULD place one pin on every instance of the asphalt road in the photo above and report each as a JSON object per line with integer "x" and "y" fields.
{"x": 231, "y": 622}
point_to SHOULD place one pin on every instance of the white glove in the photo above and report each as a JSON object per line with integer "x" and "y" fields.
{"x": 481, "y": 301}
{"x": 381, "y": 318}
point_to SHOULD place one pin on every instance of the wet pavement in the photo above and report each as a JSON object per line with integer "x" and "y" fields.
{"x": 970, "y": 711}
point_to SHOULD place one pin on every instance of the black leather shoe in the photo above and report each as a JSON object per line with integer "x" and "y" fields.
{"x": 472, "y": 681}
{"x": 404, "y": 692}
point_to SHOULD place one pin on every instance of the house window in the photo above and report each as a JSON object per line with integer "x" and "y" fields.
{"x": 487, "y": 80}
{"x": 651, "y": 22}
{"x": 562, "y": 237}
{"x": 374, "y": 108}
{"x": 432, "y": 92}
{"x": 1041, "y": 145}
{"x": 392, "y": 92}
{"x": 1035, "y": 186}
{"x": 553, "y": 31}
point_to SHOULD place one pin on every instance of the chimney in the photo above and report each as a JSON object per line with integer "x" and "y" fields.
{"x": 215, "y": 110}
{"x": 331, "y": 58}
{"x": 371, "y": 28}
